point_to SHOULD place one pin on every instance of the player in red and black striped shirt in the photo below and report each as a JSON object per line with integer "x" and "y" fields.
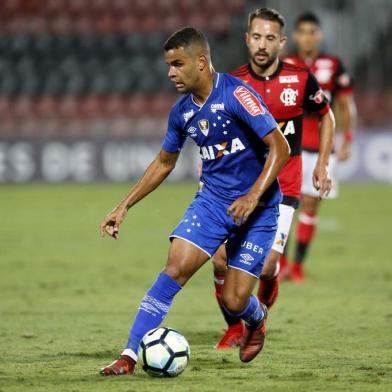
{"x": 337, "y": 85}
{"x": 288, "y": 91}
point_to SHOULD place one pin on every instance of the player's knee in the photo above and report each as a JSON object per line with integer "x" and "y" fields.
{"x": 233, "y": 302}
{"x": 177, "y": 272}
{"x": 267, "y": 275}
{"x": 310, "y": 205}
{"x": 174, "y": 273}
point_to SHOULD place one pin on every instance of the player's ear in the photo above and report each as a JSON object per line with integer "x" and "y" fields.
{"x": 283, "y": 40}
{"x": 203, "y": 62}
{"x": 246, "y": 36}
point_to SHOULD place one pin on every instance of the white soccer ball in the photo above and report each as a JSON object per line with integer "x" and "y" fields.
{"x": 163, "y": 352}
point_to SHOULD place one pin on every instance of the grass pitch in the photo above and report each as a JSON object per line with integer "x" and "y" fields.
{"x": 67, "y": 297}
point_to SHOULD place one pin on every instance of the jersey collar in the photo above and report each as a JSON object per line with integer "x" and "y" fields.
{"x": 263, "y": 78}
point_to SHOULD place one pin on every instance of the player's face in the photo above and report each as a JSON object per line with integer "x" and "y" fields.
{"x": 183, "y": 69}
{"x": 264, "y": 41}
{"x": 308, "y": 37}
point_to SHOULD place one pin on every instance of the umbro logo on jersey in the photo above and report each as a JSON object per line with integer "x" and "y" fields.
{"x": 246, "y": 258}
{"x": 216, "y": 151}
{"x": 192, "y": 131}
{"x": 217, "y": 106}
{"x": 288, "y": 79}
{"x": 249, "y": 101}
{"x": 188, "y": 115}
{"x": 204, "y": 126}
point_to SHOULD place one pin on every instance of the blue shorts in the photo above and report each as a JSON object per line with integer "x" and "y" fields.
{"x": 206, "y": 225}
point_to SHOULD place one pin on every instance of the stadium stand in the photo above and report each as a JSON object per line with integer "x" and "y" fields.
{"x": 80, "y": 67}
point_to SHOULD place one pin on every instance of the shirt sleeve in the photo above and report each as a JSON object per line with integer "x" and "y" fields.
{"x": 314, "y": 98}
{"x": 248, "y": 106}
{"x": 175, "y": 138}
{"x": 343, "y": 81}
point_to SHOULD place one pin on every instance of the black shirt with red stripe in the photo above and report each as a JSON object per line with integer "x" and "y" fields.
{"x": 288, "y": 92}
{"x": 333, "y": 79}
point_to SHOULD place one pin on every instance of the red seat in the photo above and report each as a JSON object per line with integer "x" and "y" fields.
{"x": 23, "y": 108}
{"x": 114, "y": 107}
{"x": 46, "y": 107}
{"x": 69, "y": 107}
{"x": 137, "y": 106}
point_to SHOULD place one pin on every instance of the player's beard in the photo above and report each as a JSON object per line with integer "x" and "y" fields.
{"x": 270, "y": 58}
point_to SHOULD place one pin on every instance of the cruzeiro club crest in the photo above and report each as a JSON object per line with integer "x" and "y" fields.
{"x": 204, "y": 126}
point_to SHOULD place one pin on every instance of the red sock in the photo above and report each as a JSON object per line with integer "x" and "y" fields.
{"x": 305, "y": 232}
{"x": 268, "y": 291}
{"x": 219, "y": 280}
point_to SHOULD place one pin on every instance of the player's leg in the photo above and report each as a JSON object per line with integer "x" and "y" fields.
{"x": 246, "y": 252}
{"x": 194, "y": 240}
{"x": 307, "y": 216}
{"x": 309, "y": 211}
{"x": 269, "y": 284}
{"x": 235, "y": 328}
{"x": 269, "y": 280}
{"x": 183, "y": 261}
{"x": 239, "y": 301}
{"x": 283, "y": 261}
{"x": 307, "y": 224}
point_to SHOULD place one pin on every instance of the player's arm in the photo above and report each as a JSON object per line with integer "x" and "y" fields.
{"x": 279, "y": 152}
{"x": 348, "y": 117}
{"x": 321, "y": 179}
{"x": 316, "y": 102}
{"x": 346, "y": 108}
{"x": 154, "y": 175}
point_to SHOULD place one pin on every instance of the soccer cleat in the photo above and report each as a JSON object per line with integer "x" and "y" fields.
{"x": 253, "y": 341}
{"x": 297, "y": 273}
{"x": 286, "y": 273}
{"x": 122, "y": 365}
{"x": 232, "y": 337}
{"x": 268, "y": 291}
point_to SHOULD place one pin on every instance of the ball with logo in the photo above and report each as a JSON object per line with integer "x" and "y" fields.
{"x": 164, "y": 352}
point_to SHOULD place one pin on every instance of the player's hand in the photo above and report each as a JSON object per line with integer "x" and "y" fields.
{"x": 321, "y": 180}
{"x": 111, "y": 224}
{"x": 241, "y": 208}
{"x": 344, "y": 151}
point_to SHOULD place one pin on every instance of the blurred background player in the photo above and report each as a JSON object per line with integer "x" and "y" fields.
{"x": 288, "y": 91}
{"x": 336, "y": 84}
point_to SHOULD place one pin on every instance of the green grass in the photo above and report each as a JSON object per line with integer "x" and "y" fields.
{"x": 67, "y": 297}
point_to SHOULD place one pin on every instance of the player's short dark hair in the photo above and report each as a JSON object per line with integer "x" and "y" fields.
{"x": 307, "y": 17}
{"x": 186, "y": 37}
{"x": 267, "y": 14}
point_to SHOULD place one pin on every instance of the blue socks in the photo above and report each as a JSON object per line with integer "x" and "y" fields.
{"x": 252, "y": 314}
{"x": 152, "y": 310}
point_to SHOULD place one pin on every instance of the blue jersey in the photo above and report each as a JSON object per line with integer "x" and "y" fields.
{"x": 228, "y": 128}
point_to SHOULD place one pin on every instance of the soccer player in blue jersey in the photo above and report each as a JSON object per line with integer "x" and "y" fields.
{"x": 242, "y": 151}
